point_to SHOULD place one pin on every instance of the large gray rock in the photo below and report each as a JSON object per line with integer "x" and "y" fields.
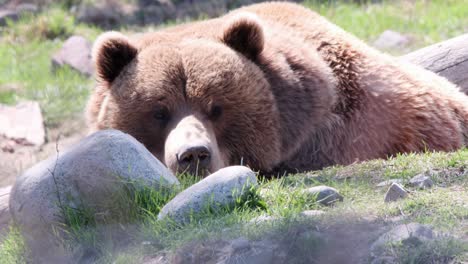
{"x": 76, "y": 53}
{"x": 324, "y": 194}
{"x": 22, "y": 123}
{"x": 96, "y": 175}
{"x": 216, "y": 191}
{"x": 405, "y": 233}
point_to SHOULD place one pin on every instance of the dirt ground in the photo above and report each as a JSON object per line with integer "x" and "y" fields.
{"x": 15, "y": 158}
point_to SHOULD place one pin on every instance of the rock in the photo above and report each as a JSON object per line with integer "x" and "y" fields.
{"x": 22, "y": 123}
{"x": 105, "y": 14}
{"x": 421, "y": 181}
{"x": 405, "y": 233}
{"x": 76, "y": 53}
{"x": 390, "y": 39}
{"x": 324, "y": 194}
{"x": 218, "y": 190}
{"x": 27, "y": 8}
{"x": 389, "y": 182}
{"x": 395, "y": 192}
{"x": 6, "y": 15}
{"x": 312, "y": 213}
{"x": 96, "y": 175}
{"x": 15, "y": 13}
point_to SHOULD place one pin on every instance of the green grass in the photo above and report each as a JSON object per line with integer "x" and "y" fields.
{"x": 443, "y": 207}
{"x": 426, "y": 22}
{"x": 26, "y": 48}
{"x": 13, "y": 248}
{"x": 444, "y": 250}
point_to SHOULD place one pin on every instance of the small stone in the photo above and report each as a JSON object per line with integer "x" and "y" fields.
{"x": 22, "y": 123}
{"x": 405, "y": 233}
{"x": 390, "y": 39}
{"x": 389, "y": 182}
{"x": 76, "y": 53}
{"x": 421, "y": 181}
{"x": 324, "y": 194}
{"x": 312, "y": 213}
{"x": 395, "y": 192}
{"x": 97, "y": 174}
{"x": 218, "y": 190}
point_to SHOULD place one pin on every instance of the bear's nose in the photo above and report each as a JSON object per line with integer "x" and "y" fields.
{"x": 195, "y": 160}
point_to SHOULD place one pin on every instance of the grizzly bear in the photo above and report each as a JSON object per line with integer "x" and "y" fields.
{"x": 273, "y": 86}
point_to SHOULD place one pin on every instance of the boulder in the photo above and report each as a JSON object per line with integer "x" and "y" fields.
{"x": 96, "y": 176}
{"x": 22, "y": 123}
{"x": 76, "y": 53}
{"x": 219, "y": 190}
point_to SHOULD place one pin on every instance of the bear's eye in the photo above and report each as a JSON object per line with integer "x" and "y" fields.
{"x": 215, "y": 112}
{"x": 161, "y": 114}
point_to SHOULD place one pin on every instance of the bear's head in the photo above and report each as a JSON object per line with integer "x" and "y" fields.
{"x": 197, "y": 104}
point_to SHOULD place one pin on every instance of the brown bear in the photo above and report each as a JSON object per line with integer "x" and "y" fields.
{"x": 273, "y": 86}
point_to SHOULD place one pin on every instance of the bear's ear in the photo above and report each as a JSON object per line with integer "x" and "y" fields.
{"x": 245, "y": 35}
{"x": 112, "y": 51}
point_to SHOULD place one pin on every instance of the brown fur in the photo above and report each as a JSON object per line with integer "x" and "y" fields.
{"x": 296, "y": 93}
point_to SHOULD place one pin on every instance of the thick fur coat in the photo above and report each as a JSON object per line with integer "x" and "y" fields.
{"x": 273, "y": 86}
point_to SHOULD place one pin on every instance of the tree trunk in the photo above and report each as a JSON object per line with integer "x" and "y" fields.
{"x": 448, "y": 59}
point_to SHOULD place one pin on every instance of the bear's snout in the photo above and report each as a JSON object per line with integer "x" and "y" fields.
{"x": 194, "y": 159}
{"x": 191, "y": 147}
